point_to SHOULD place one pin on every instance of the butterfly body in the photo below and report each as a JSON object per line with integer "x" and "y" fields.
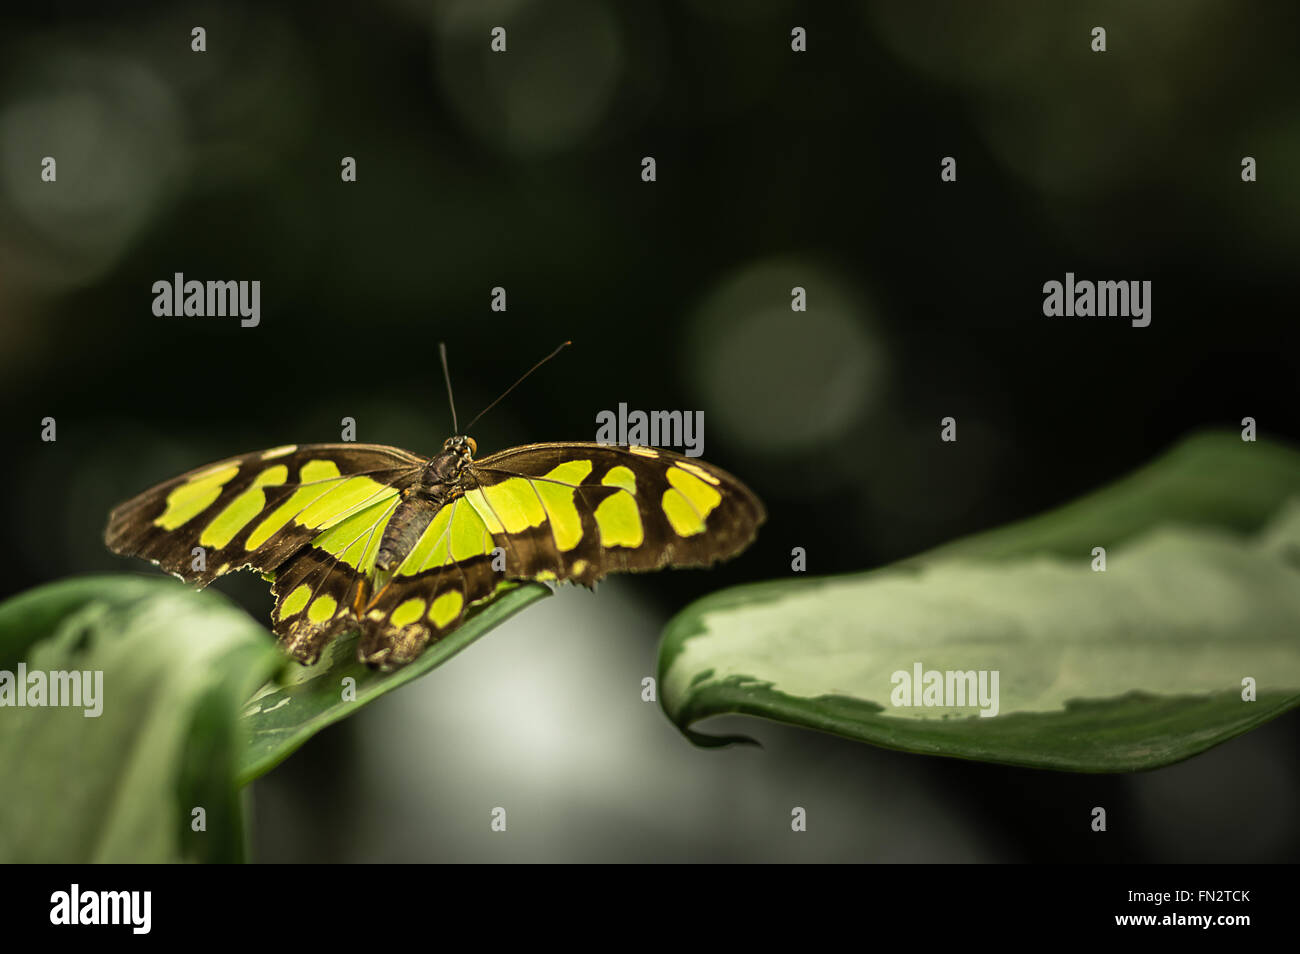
{"x": 440, "y": 480}
{"x": 376, "y": 539}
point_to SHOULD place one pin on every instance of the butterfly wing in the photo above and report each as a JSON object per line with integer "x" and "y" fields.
{"x": 450, "y": 568}
{"x": 322, "y": 588}
{"x": 254, "y": 510}
{"x": 310, "y": 515}
{"x": 580, "y": 511}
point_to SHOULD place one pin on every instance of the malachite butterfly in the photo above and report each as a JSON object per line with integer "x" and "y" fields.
{"x": 400, "y": 547}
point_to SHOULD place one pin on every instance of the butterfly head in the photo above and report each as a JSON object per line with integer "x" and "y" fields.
{"x": 458, "y": 451}
{"x": 461, "y": 445}
{"x": 449, "y": 465}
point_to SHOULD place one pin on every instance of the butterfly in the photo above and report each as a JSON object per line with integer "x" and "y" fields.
{"x": 400, "y": 547}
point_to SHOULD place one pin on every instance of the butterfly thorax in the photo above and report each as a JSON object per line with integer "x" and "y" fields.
{"x": 440, "y": 480}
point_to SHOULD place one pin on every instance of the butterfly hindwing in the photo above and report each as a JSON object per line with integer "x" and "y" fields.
{"x": 449, "y": 569}
{"x": 410, "y": 612}
{"x": 321, "y": 589}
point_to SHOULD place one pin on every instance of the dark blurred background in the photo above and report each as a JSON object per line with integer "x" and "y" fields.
{"x": 775, "y": 169}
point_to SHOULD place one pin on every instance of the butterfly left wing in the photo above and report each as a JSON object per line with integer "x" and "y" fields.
{"x": 322, "y": 588}
{"x": 255, "y": 510}
{"x": 310, "y": 518}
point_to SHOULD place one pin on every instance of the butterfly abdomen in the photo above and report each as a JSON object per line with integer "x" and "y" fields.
{"x": 409, "y": 521}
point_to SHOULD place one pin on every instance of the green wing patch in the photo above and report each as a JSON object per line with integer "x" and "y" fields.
{"x": 456, "y": 534}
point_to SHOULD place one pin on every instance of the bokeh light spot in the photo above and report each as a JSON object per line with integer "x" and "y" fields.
{"x": 551, "y": 86}
{"x": 780, "y": 381}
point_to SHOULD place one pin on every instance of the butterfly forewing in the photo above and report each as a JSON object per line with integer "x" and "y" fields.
{"x": 580, "y": 511}
{"x": 255, "y": 510}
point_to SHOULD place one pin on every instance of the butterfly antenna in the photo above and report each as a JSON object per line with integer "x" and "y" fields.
{"x": 446, "y": 375}
{"x": 517, "y": 383}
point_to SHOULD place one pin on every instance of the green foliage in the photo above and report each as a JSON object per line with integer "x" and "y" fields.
{"x": 183, "y": 725}
{"x": 122, "y": 786}
{"x": 1131, "y": 668}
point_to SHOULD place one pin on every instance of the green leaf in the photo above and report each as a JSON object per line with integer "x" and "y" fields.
{"x": 286, "y": 713}
{"x": 1212, "y": 479}
{"x": 1132, "y": 668}
{"x": 121, "y": 786}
